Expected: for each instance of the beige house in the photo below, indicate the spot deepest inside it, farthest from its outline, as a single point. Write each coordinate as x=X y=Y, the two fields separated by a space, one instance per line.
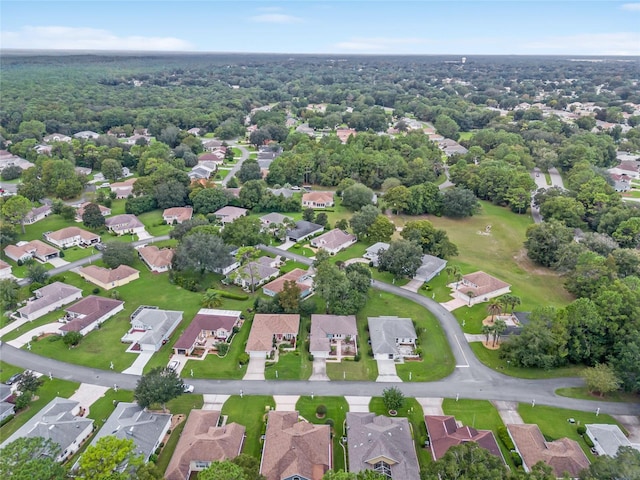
x=5 y=270
x=333 y=241
x=229 y=214
x=269 y=330
x=317 y=200
x=109 y=278
x=202 y=442
x=125 y=224
x=295 y=449
x=177 y=215
x=123 y=189
x=157 y=259
x=479 y=287
x=49 y=298
x=34 y=249
x=333 y=336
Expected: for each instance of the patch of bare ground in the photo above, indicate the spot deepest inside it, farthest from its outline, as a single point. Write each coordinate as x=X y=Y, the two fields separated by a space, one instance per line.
x=527 y=265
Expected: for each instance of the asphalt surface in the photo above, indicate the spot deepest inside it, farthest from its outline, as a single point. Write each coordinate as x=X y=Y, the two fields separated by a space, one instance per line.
x=236 y=167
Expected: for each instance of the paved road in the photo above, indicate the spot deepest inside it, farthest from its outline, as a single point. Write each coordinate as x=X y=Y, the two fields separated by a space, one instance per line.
x=556 y=179
x=236 y=167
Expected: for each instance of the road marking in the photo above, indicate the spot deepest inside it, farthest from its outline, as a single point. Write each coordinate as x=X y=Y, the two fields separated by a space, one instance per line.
x=463 y=355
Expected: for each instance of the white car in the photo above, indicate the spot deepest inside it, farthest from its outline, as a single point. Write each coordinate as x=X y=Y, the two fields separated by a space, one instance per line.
x=173 y=365
x=187 y=388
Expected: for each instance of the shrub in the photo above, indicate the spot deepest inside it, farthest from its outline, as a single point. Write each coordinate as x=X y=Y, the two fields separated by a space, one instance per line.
x=222 y=348
x=581 y=429
x=330 y=422
x=503 y=434
x=153 y=458
x=310 y=357
x=243 y=358
x=96 y=291
x=356 y=358
x=6 y=420
x=517 y=460
x=20 y=262
x=588 y=441
x=321 y=410
x=231 y=295
x=72 y=339
x=61 y=254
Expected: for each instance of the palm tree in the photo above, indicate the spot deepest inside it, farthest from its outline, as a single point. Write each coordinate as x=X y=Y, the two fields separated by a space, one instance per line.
x=515 y=300
x=498 y=328
x=211 y=299
x=505 y=300
x=449 y=272
x=494 y=309
x=486 y=331
x=470 y=295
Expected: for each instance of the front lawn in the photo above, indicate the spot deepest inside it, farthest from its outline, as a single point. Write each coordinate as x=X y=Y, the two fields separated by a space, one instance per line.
x=438 y=289
x=250 y=411
x=492 y=360
x=413 y=412
x=337 y=408
x=583 y=394
x=554 y=422
x=154 y=223
x=480 y=414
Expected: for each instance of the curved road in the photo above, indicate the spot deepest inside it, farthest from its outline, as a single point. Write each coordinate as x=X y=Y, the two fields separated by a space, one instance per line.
x=236 y=168
x=471 y=379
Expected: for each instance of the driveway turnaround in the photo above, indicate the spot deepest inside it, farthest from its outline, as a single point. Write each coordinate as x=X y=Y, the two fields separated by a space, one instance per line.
x=25 y=338
x=387 y=371
x=358 y=404
x=255 y=369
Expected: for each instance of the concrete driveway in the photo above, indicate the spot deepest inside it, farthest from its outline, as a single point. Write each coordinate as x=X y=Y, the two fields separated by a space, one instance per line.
x=255 y=369
x=25 y=338
x=358 y=404
x=387 y=371
x=319 y=370
x=214 y=402
x=58 y=262
x=87 y=394
x=286 y=403
x=431 y=406
x=138 y=365
x=508 y=412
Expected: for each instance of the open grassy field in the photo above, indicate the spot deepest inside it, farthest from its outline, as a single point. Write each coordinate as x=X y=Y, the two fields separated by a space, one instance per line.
x=480 y=414
x=250 y=411
x=491 y=359
x=337 y=409
x=554 y=422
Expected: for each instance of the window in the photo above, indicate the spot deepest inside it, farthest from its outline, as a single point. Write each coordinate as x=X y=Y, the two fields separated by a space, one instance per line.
x=383 y=467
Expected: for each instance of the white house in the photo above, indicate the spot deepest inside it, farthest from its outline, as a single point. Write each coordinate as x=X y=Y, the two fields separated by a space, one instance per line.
x=479 y=287
x=71 y=237
x=49 y=298
x=89 y=313
x=151 y=328
x=392 y=338
x=125 y=224
x=5 y=270
x=333 y=241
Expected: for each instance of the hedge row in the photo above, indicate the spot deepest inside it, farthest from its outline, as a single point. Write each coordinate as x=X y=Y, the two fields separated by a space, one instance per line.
x=232 y=296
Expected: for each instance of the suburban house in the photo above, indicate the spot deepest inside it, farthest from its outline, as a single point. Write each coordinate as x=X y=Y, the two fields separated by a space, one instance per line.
x=80 y=210
x=295 y=449
x=431 y=266
x=123 y=189
x=125 y=223
x=257 y=272
x=444 y=433
x=230 y=265
x=203 y=441
x=270 y=220
x=479 y=287
x=36 y=214
x=563 y=454
x=24 y=251
x=372 y=252
x=607 y=439
x=59 y=422
x=451 y=147
x=201 y=170
x=5 y=270
x=211 y=145
x=269 y=330
x=304 y=230
x=151 y=328
x=71 y=237
x=216 y=157
x=6 y=407
x=208 y=327
x=333 y=241
x=177 y=215
x=317 y=200
x=86 y=134
x=89 y=313
x=229 y=214
x=57 y=137
x=132 y=422
x=382 y=444
x=333 y=336
x=303 y=280
x=345 y=133
x=157 y=259
x=109 y=278
x=392 y=338
x=49 y=298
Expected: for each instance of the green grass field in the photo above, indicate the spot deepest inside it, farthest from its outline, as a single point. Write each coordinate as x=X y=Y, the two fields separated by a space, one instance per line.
x=250 y=411
x=154 y=223
x=583 y=394
x=480 y=414
x=337 y=409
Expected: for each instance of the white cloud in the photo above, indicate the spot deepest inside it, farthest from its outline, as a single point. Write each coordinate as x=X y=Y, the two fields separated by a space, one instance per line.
x=380 y=45
x=622 y=43
x=276 y=18
x=73 y=38
x=634 y=7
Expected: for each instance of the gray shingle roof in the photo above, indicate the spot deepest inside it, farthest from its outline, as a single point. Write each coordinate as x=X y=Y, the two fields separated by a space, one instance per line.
x=385 y=330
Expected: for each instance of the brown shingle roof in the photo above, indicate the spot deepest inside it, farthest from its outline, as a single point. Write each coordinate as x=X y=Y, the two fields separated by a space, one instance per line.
x=563 y=455
x=156 y=257
x=41 y=249
x=295 y=448
x=203 y=440
x=108 y=275
x=69 y=232
x=277 y=285
x=205 y=321
x=266 y=325
x=318 y=197
x=444 y=433
x=90 y=309
x=178 y=213
x=481 y=283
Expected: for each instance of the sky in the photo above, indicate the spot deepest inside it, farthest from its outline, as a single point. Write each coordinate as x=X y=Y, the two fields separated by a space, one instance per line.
x=413 y=27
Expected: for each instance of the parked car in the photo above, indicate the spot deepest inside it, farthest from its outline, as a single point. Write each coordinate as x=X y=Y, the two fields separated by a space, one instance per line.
x=187 y=388
x=15 y=378
x=173 y=365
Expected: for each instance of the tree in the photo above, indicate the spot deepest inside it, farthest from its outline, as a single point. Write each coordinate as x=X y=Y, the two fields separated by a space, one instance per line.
x=487 y=330
x=392 y=398
x=158 y=386
x=459 y=203
x=182 y=229
x=357 y=196
x=363 y=219
x=30 y=458
x=211 y=299
x=29 y=383
x=544 y=241
x=466 y=461
x=398 y=198
x=433 y=241
x=9 y=294
x=105 y=459
x=624 y=466
x=111 y=169
x=494 y=308
x=171 y=193
x=447 y=127
x=498 y=329
x=118 y=253
x=11 y=172
x=209 y=200
x=402 y=258
x=344 y=292
x=244 y=231
x=8 y=235
x=625 y=361
x=253 y=193
x=32 y=186
x=381 y=230
x=309 y=214
x=37 y=273
x=289 y=297
x=627 y=234
x=92 y=216
x=250 y=170
x=15 y=210
x=250 y=466
x=202 y=253
x=601 y=378
x=72 y=339
x=222 y=470
x=247 y=257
